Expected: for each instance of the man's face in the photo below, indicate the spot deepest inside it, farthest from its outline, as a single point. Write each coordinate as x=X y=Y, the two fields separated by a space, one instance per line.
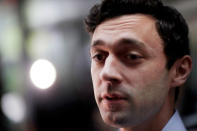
x=130 y=79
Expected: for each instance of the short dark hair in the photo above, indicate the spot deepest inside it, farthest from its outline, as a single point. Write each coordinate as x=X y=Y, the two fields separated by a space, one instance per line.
x=170 y=24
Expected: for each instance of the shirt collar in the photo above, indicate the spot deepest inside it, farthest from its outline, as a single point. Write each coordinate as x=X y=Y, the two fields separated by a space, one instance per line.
x=175 y=123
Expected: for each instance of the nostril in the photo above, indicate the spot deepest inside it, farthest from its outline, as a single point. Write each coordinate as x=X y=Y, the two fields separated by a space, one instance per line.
x=108 y=98
x=114 y=80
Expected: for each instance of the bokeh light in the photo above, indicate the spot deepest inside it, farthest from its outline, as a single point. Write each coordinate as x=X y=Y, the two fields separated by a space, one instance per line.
x=43 y=74
x=13 y=106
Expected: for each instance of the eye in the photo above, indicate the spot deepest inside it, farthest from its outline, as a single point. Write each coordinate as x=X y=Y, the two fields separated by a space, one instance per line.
x=133 y=57
x=99 y=57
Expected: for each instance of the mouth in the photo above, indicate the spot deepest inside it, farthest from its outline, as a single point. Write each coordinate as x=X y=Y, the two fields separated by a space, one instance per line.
x=113 y=102
x=113 y=97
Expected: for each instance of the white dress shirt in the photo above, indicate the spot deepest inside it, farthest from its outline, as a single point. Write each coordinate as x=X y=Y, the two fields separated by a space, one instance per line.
x=175 y=123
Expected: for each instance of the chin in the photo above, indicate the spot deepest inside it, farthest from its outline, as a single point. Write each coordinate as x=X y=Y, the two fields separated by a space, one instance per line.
x=115 y=119
x=122 y=119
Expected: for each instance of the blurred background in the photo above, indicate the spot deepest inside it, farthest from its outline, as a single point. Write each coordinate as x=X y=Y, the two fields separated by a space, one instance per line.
x=45 y=82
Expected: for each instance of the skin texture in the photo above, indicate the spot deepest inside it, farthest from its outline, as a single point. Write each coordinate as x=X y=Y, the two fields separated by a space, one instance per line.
x=133 y=88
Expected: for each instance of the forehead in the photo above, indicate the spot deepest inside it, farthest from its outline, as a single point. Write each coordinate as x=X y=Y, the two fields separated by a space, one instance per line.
x=127 y=21
x=136 y=26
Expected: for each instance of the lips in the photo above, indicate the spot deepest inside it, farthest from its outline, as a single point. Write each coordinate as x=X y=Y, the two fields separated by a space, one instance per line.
x=113 y=97
x=113 y=102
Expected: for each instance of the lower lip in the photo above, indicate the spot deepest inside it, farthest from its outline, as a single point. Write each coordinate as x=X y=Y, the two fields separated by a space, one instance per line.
x=113 y=105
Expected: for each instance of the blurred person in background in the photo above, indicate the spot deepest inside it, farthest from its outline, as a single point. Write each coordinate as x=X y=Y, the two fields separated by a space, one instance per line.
x=140 y=59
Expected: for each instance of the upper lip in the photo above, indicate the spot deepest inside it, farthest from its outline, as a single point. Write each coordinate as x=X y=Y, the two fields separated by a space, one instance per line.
x=113 y=96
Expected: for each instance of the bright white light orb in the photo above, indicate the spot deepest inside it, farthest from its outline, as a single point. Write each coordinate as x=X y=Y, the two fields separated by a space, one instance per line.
x=43 y=73
x=13 y=106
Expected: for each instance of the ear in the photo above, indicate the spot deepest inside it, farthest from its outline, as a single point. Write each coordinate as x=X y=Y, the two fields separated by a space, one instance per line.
x=180 y=71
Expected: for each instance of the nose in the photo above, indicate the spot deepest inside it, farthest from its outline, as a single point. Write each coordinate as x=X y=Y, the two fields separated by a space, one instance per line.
x=111 y=71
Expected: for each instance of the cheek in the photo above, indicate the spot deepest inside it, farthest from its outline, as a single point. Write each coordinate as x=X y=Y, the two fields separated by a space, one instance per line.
x=153 y=73
x=148 y=84
x=153 y=89
x=95 y=80
x=95 y=75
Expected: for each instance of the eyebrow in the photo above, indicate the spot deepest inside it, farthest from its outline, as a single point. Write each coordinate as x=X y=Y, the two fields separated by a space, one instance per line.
x=97 y=43
x=123 y=41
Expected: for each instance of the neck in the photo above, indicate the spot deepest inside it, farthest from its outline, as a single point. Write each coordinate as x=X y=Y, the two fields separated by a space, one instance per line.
x=159 y=120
